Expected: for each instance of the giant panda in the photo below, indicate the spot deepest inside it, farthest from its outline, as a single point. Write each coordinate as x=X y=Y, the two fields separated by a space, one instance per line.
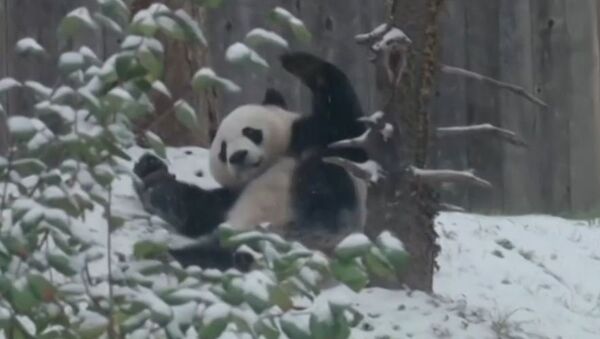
x=269 y=163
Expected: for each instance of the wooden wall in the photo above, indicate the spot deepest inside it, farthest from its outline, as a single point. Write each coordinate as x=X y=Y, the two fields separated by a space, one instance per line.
x=550 y=47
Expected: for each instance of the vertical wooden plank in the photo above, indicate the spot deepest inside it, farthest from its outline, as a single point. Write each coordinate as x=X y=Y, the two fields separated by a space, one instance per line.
x=333 y=28
x=3 y=33
x=449 y=105
x=521 y=194
x=583 y=103
x=39 y=20
x=482 y=106
x=550 y=145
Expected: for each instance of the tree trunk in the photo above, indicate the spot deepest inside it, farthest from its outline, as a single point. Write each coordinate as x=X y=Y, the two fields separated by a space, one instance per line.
x=182 y=60
x=402 y=203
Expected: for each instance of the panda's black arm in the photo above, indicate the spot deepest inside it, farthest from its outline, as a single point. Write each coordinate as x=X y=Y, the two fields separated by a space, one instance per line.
x=336 y=107
x=191 y=210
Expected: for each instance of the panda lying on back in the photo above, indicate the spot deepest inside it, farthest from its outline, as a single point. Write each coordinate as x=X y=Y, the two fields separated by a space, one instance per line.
x=269 y=162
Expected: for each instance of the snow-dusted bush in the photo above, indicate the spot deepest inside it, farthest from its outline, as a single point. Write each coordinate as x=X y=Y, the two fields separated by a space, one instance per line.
x=60 y=168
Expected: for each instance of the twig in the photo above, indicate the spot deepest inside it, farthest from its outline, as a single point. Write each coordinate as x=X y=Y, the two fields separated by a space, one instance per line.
x=501 y=133
x=489 y=80
x=434 y=176
x=111 y=325
x=450 y=207
x=7 y=176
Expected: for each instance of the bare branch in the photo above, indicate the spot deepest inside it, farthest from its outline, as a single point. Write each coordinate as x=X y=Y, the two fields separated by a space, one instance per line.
x=450 y=207
x=376 y=34
x=369 y=171
x=483 y=78
x=438 y=176
x=507 y=135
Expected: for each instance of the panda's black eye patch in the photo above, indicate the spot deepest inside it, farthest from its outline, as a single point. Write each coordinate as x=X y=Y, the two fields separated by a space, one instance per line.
x=223 y=152
x=255 y=135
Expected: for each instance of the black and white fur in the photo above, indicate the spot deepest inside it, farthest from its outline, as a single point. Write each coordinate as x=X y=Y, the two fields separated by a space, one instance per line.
x=268 y=161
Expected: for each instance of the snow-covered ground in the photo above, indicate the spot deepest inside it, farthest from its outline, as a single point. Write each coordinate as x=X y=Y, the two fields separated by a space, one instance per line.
x=500 y=277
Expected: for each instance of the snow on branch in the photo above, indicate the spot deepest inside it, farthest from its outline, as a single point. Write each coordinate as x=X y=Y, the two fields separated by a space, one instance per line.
x=374 y=35
x=369 y=171
x=489 y=80
x=450 y=207
x=392 y=44
x=437 y=176
x=502 y=133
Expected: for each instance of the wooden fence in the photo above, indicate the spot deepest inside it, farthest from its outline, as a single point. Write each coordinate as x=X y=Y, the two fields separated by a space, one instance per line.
x=550 y=47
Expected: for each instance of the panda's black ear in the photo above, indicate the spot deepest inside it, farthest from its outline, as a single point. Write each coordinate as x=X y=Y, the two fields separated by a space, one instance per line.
x=275 y=98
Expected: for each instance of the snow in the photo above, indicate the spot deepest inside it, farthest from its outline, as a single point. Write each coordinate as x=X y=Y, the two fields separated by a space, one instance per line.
x=29 y=45
x=8 y=83
x=216 y=312
x=259 y=36
x=20 y=125
x=240 y=53
x=206 y=76
x=546 y=285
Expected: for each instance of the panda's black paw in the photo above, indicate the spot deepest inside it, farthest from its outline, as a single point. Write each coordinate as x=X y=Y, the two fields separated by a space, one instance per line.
x=149 y=164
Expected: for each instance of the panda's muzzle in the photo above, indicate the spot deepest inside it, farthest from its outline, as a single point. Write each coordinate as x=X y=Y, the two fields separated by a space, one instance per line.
x=239 y=159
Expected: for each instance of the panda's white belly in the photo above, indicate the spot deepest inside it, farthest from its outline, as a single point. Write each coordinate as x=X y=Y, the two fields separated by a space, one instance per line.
x=266 y=199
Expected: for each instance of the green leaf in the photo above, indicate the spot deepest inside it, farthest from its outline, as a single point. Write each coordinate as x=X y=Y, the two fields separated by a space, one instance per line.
x=300 y=31
x=214 y=320
x=171 y=28
x=23 y=299
x=266 y=328
x=393 y=249
x=377 y=263
x=206 y=78
x=115 y=9
x=143 y=23
x=128 y=67
x=21 y=128
x=8 y=84
x=281 y=298
x=104 y=174
x=150 y=61
x=160 y=87
x=292 y=328
x=42 y=289
x=350 y=273
x=26 y=167
x=186 y=115
x=62 y=264
x=281 y=15
x=156 y=143
x=40 y=91
x=189 y=25
x=108 y=23
x=354 y=245
x=70 y=61
x=31 y=219
x=259 y=36
x=136 y=321
x=29 y=46
x=147 y=249
x=75 y=21
x=238 y=53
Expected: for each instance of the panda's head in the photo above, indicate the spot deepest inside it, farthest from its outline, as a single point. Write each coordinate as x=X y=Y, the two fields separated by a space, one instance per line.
x=249 y=140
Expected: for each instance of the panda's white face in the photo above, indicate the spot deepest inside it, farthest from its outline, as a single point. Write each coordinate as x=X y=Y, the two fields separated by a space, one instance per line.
x=249 y=140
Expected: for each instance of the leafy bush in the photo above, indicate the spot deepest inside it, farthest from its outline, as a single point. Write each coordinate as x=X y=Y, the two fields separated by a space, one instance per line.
x=61 y=166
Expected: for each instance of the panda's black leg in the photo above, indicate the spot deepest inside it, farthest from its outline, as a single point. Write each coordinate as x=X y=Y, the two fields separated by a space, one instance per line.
x=212 y=256
x=191 y=210
x=324 y=197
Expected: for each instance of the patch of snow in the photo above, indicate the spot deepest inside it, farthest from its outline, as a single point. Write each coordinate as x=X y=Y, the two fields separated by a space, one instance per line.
x=546 y=286
x=240 y=53
x=259 y=36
